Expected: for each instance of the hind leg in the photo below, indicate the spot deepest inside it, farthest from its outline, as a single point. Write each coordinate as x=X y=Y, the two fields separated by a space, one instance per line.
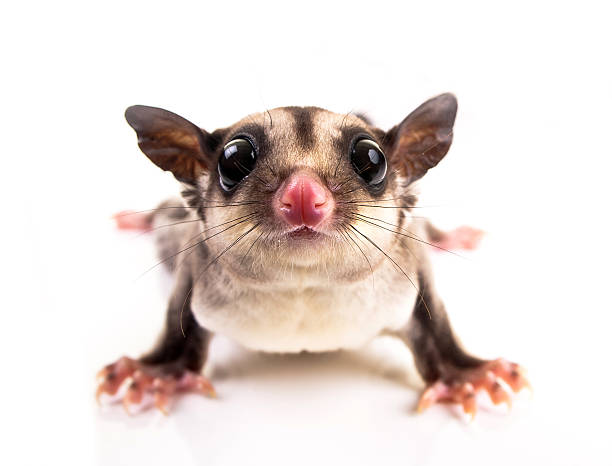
x=171 y=210
x=131 y=220
x=463 y=237
x=170 y=223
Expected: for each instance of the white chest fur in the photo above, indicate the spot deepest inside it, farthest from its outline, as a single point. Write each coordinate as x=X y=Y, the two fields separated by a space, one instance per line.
x=322 y=318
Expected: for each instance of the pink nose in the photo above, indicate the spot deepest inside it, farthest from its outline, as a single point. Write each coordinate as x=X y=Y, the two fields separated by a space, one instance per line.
x=304 y=201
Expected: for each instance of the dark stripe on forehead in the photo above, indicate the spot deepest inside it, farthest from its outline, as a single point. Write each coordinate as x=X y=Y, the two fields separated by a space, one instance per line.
x=303 y=118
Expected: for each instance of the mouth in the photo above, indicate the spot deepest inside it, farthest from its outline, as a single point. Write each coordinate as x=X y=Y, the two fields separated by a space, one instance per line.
x=305 y=233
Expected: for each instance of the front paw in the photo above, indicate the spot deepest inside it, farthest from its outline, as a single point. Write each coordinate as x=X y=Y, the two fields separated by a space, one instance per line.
x=460 y=386
x=144 y=383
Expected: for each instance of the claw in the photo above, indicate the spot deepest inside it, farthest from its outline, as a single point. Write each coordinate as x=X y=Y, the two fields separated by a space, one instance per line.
x=497 y=393
x=462 y=388
x=162 y=391
x=102 y=373
x=143 y=380
x=133 y=396
x=431 y=395
x=99 y=392
x=161 y=402
x=202 y=385
x=428 y=398
x=468 y=400
x=512 y=374
x=517 y=381
x=110 y=385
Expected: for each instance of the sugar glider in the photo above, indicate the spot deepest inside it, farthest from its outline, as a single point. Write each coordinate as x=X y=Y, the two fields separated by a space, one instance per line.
x=296 y=232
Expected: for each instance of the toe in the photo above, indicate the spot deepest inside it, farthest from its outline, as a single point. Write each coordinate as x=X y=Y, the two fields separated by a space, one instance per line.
x=512 y=374
x=497 y=392
x=133 y=396
x=162 y=393
x=431 y=395
x=110 y=385
x=468 y=399
x=197 y=383
x=112 y=376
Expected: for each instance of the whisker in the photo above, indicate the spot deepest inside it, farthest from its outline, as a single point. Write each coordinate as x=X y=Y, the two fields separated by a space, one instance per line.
x=342 y=183
x=183 y=259
x=270 y=116
x=231 y=202
x=251 y=247
x=341 y=154
x=344 y=193
x=364 y=168
x=372 y=200
x=164 y=226
x=391 y=206
x=236 y=241
x=346 y=116
x=190 y=247
x=363 y=254
x=230 y=205
x=397 y=265
x=247 y=173
x=187 y=207
x=267 y=162
x=152 y=210
x=411 y=216
x=411 y=235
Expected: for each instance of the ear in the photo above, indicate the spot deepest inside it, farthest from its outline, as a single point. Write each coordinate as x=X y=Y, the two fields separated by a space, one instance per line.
x=170 y=141
x=420 y=141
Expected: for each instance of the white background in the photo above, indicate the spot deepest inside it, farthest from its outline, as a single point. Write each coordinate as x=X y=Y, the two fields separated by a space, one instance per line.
x=530 y=164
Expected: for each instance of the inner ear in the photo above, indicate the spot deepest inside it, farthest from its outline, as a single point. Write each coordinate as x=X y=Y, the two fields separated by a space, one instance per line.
x=420 y=141
x=170 y=141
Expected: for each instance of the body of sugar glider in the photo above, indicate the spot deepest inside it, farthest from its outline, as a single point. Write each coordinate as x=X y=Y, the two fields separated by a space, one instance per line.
x=366 y=274
x=288 y=308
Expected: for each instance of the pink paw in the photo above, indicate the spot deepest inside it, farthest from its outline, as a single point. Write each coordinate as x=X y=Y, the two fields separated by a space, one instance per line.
x=464 y=237
x=145 y=383
x=130 y=220
x=464 y=385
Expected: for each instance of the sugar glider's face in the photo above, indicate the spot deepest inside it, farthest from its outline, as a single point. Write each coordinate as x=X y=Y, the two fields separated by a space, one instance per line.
x=301 y=178
x=300 y=189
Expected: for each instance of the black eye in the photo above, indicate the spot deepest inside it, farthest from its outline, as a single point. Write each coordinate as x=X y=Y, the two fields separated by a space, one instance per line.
x=369 y=161
x=236 y=162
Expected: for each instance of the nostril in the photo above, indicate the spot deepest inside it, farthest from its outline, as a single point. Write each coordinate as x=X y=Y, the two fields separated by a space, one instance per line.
x=304 y=201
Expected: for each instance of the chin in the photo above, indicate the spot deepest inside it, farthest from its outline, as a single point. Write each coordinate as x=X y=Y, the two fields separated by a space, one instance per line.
x=304 y=247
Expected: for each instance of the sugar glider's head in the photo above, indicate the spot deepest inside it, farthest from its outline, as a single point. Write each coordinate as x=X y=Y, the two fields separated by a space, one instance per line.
x=300 y=189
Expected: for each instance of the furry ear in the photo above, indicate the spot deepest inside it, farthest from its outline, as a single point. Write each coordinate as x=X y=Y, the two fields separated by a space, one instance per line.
x=170 y=141
x=420 y=141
